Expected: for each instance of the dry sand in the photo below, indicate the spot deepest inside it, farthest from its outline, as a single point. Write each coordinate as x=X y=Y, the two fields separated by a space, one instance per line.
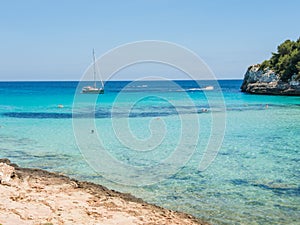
x=33 y=196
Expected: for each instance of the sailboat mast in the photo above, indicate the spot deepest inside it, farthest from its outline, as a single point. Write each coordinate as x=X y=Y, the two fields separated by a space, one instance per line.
x=94 y=62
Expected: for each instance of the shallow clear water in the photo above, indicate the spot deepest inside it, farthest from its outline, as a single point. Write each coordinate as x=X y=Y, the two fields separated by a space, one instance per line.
x=253 y=180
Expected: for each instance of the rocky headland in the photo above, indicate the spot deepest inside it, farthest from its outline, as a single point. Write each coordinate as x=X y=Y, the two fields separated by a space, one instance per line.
x=258 y=81
x=280 y=75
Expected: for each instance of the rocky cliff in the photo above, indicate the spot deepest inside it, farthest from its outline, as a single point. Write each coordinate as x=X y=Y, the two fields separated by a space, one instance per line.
x=266 y=81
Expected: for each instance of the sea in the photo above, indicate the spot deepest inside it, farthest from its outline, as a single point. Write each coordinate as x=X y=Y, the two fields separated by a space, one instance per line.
x=224 y=156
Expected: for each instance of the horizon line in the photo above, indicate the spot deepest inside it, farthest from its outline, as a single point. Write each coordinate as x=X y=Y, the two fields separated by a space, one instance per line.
x=113 y=80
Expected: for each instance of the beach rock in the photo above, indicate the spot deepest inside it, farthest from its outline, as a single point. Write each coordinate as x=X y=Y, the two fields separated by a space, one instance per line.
x=6 y=173
x=8 y=162
x=41 y=197
x=257 y=81
x=5 y=160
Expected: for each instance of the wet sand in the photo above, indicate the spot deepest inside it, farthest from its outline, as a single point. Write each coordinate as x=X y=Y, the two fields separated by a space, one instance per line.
x=34 y=196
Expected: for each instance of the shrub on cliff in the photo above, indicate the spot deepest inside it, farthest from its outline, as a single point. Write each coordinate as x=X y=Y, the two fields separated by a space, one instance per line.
x=286 y=62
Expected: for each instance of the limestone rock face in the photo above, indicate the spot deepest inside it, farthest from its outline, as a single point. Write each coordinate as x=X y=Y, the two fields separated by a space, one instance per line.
x=258 y=81
x=6 y=173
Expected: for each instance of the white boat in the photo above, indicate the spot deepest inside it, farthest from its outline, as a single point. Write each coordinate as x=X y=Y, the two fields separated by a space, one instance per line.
x=94 y=89
x=208 y=88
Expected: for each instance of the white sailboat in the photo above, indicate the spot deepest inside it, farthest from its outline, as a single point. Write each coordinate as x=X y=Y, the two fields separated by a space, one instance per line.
x=94 y=89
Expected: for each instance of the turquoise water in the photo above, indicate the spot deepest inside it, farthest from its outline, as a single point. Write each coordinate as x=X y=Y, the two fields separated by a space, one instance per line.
x=253 y=180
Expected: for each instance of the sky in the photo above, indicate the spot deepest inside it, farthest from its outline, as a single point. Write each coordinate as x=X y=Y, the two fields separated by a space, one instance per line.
x=53 y=39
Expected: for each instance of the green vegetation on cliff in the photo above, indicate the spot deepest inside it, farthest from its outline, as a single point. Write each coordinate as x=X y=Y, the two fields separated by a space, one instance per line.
x=286 y=62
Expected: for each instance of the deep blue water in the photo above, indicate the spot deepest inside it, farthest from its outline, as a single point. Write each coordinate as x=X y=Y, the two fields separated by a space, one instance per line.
x=254 y=178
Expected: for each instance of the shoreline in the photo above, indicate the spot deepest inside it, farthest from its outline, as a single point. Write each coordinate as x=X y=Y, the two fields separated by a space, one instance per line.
x=35 y=196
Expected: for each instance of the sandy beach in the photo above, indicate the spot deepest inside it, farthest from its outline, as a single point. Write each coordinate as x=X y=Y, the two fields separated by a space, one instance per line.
x=34 y=196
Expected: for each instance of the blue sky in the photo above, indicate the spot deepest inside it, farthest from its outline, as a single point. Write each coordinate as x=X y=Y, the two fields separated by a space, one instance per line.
x=52 y=40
